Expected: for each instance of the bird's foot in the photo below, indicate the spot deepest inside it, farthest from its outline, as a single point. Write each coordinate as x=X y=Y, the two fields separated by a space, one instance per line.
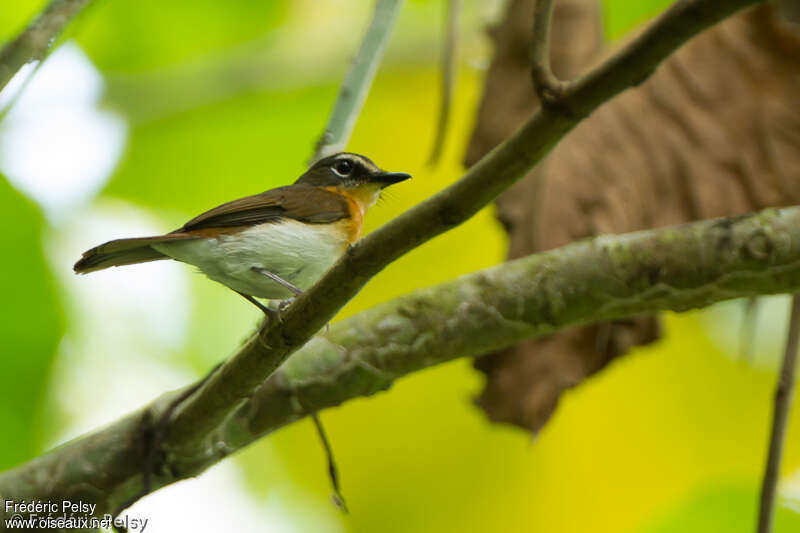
x=284 y=304
x=273 y=316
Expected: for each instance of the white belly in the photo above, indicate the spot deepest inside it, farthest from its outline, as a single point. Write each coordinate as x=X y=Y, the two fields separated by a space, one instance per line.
x=299 y=253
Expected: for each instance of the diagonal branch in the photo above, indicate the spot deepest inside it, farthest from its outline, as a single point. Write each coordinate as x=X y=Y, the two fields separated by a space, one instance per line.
x=263 y=353
x=358 y=80
x=34 y=42
x=599 y=279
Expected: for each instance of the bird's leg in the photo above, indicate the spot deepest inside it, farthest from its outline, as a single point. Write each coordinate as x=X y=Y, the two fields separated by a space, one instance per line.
x=270 y=313
x=277 y=279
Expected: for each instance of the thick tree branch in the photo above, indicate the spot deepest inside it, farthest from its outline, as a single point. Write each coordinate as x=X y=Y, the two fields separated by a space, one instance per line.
x=603 y=278
x=358 y=80
x=32 y=44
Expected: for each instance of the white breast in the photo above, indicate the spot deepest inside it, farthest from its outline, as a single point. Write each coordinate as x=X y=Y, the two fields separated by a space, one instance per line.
x=297 y=252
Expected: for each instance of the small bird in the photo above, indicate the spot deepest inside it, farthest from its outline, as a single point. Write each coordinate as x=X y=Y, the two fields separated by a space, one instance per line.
x=272 y=245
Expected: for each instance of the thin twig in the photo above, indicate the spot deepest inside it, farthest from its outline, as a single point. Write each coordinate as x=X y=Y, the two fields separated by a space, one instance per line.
x=780 y=415
x=449 y=71
x=33 y=43
x=358 y=80
x=338 y=497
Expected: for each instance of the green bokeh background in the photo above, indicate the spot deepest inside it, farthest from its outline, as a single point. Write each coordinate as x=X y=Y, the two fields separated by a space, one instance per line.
x=669 y=439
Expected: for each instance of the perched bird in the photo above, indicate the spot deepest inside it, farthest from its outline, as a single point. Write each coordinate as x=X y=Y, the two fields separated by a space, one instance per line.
x=273 y=245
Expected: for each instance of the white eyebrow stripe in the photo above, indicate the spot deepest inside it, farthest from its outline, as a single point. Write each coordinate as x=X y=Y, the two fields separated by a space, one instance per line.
x=356 y=159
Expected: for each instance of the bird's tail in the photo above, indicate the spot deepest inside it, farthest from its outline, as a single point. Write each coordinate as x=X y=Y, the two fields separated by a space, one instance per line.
x=120 y=252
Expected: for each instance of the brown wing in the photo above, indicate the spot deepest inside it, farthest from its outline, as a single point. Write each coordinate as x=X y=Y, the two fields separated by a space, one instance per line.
x=299 y=202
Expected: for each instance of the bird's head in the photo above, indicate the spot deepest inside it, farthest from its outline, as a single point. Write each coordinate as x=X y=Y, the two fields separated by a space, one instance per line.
x=351 y=174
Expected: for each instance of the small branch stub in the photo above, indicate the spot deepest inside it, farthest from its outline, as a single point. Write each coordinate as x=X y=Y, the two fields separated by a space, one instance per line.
x=549 y=88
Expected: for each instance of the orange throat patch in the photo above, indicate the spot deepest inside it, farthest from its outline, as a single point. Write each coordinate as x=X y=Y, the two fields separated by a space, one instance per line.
x=358 y=202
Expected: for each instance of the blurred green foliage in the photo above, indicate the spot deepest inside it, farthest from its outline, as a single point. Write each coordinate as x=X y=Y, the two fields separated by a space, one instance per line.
x=31 y=326
x=620 y=16
x=234 y=148
x=16 y=15
x=136 y=35
x=721 y=509
x=671 y=438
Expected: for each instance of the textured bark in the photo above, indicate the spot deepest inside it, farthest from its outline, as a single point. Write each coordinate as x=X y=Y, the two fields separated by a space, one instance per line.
x=715 y=131
x=599 y=279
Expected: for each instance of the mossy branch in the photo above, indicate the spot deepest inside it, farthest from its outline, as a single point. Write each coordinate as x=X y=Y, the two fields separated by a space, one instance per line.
x=604 y=278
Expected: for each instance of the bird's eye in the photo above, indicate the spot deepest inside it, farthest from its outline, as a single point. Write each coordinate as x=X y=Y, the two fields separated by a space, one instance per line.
x=343 y=167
